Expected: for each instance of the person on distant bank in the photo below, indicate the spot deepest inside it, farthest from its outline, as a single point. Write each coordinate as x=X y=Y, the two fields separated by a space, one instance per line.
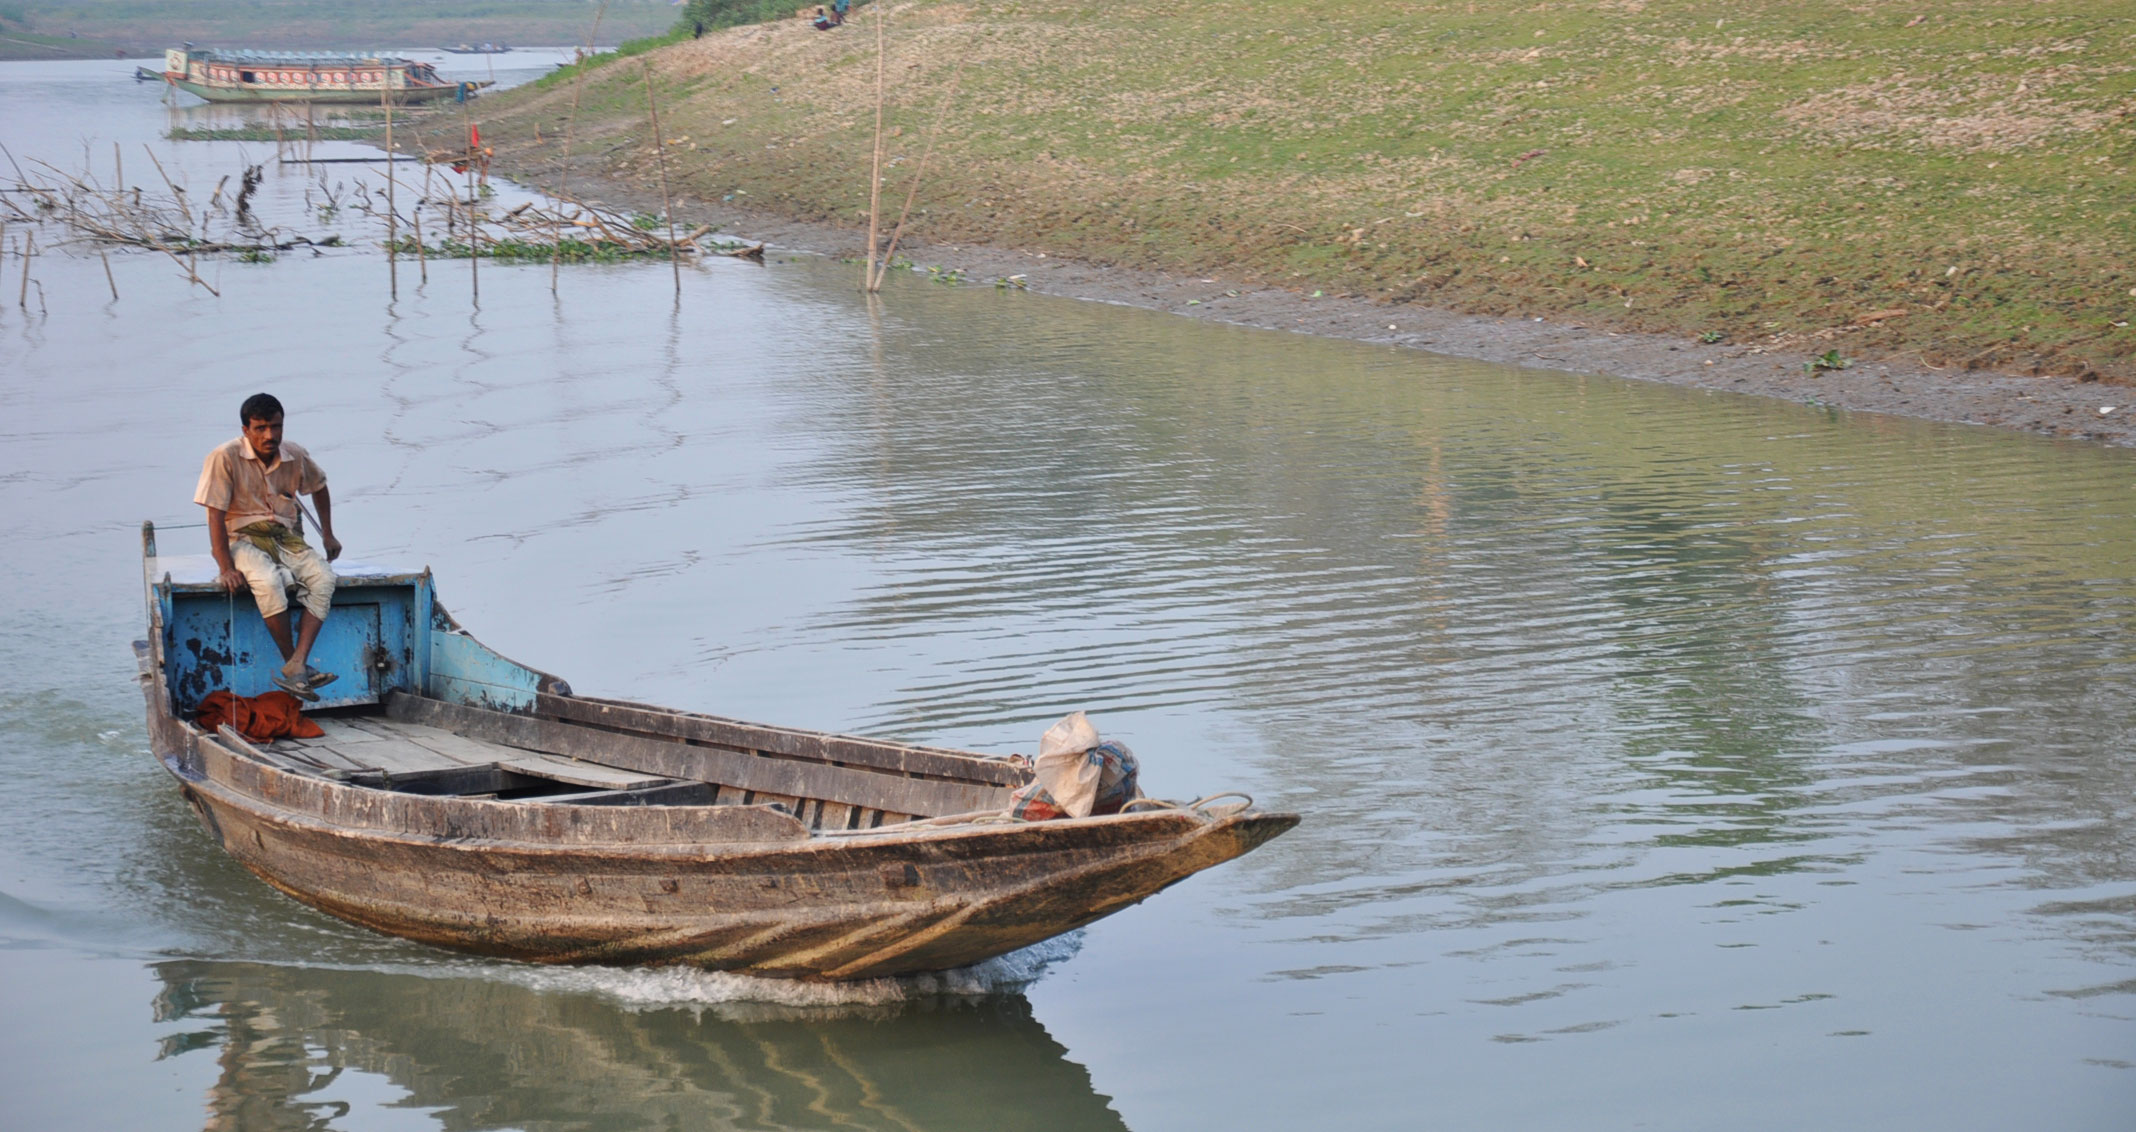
x=250 y=487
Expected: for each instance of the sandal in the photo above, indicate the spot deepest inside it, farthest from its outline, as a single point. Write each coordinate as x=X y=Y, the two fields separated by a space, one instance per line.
x=313 y=678
x=295 y=687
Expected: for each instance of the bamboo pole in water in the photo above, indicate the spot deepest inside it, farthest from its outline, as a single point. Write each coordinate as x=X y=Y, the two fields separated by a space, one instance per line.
x=101 y=254
x=563 y=186
x=912 y=191
x=868 y=278
x=667 y=203
x=29 y=245
x=392 y=211
x=474 y=231
x=422 y=260
x=118 y=190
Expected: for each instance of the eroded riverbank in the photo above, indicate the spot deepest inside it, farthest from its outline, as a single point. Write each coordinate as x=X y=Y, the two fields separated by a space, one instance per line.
x=2053 y=406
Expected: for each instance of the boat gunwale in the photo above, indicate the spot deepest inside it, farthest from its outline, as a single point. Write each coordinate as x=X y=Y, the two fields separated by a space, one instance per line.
x=230 y=793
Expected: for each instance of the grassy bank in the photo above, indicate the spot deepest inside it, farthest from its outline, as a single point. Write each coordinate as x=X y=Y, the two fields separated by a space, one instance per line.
x=40 y=28
x=1950 y=181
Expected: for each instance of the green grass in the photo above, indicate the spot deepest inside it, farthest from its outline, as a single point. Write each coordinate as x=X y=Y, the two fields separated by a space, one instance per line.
x=1774 y=175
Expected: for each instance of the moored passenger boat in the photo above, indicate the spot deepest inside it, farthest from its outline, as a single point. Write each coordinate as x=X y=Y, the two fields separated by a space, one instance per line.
x=305 y=76
x=462 y=799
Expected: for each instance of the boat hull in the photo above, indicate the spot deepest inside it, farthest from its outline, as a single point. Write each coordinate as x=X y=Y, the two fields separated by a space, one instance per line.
x=524 y=821
x=400 y=96
x=894 y=904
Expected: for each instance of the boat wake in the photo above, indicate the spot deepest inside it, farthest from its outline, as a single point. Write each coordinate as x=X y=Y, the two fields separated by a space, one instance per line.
x=750 y=998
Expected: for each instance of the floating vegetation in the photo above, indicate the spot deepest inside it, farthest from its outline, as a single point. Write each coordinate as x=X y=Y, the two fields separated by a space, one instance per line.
x=513 y=250
x=271 y=134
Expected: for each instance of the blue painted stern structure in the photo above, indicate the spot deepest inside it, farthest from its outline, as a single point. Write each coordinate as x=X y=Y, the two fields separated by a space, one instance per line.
x=386 y=632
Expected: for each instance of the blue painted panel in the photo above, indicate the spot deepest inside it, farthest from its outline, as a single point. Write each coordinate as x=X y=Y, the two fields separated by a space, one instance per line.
x=215 y=641
x=464 y=670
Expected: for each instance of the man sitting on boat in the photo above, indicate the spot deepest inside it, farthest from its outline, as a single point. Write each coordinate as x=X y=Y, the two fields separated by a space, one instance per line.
x=250 y=487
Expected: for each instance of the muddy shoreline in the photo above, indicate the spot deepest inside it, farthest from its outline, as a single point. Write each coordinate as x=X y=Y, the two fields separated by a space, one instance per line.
x=2053 y=406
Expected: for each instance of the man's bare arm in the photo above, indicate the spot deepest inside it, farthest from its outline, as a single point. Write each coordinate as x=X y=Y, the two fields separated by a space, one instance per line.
x=219 y=545
x=324 y=504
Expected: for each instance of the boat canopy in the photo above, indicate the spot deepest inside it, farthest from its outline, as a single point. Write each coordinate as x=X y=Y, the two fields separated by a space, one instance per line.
x=291 y=58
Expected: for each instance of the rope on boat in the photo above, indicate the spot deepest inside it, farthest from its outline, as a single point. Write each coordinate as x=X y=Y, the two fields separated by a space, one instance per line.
x=1199 y=805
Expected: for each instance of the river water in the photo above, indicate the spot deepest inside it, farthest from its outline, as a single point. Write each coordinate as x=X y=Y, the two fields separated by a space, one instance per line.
x=1667 y=759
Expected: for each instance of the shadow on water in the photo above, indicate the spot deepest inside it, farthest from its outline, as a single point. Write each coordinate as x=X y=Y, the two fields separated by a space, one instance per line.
x=483 y=1053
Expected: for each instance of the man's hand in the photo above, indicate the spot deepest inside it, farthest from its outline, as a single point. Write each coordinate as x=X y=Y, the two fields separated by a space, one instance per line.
x=333 y=545
x=230 y=579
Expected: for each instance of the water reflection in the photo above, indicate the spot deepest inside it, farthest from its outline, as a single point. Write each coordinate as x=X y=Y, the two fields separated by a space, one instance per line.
x=485 y=1052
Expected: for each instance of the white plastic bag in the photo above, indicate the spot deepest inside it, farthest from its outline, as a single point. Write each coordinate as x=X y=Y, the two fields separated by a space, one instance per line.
x=1062 y=768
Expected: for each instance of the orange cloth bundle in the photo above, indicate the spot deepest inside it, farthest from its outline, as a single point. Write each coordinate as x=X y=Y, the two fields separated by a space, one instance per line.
x=262 y=718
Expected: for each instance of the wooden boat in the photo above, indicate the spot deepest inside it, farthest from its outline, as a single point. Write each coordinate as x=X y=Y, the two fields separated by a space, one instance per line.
x=306 y=76
x=477 y=49
x=465 y=800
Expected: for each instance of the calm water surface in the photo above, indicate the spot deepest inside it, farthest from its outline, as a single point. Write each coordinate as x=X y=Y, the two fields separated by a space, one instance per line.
x=1668 y=759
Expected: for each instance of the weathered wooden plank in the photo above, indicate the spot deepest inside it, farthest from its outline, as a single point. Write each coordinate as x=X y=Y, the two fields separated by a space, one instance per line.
x=577 y=773
x=457 y=780
x=458 y=748
x=396 y=758
x=342 y=732
x=777 y=778
x=285 y=759
x=668 y=793
x=327 y=753
x=932 y=762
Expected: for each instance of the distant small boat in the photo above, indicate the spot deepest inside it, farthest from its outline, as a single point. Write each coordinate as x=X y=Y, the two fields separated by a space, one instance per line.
x=306 y=76
x=461 y=799
x=477 y=49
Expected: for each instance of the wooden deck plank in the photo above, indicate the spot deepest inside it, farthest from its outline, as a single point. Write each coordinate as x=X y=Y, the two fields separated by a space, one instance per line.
x=789 y=778
x=458 y=748
x=391 y=757
x=580 y=773
x=933 y=762
x=342 y=732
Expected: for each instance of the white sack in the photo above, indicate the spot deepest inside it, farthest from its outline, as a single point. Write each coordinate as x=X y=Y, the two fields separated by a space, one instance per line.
x=1063 y=769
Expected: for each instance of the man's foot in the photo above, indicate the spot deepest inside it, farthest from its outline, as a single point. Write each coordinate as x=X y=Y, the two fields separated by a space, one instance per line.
x=295 y=686
x=313 y=678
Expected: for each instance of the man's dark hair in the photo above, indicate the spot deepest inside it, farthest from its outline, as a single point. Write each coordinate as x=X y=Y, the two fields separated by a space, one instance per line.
x=259 y=407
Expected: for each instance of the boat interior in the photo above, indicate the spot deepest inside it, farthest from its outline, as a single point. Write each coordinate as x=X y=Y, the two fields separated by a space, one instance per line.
x=418 y=706
x=416 y=745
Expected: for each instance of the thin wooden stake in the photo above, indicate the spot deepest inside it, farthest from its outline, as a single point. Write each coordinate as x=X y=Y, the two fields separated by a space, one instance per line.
x=29 y=245
x=392 y=209
x=667 y=203
x=563 y=186
x=474 y=231
x=175 y=194
x=868 y=280
x=118 y=191
x=107 y=274
x=913 y=191
x=422 y=260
